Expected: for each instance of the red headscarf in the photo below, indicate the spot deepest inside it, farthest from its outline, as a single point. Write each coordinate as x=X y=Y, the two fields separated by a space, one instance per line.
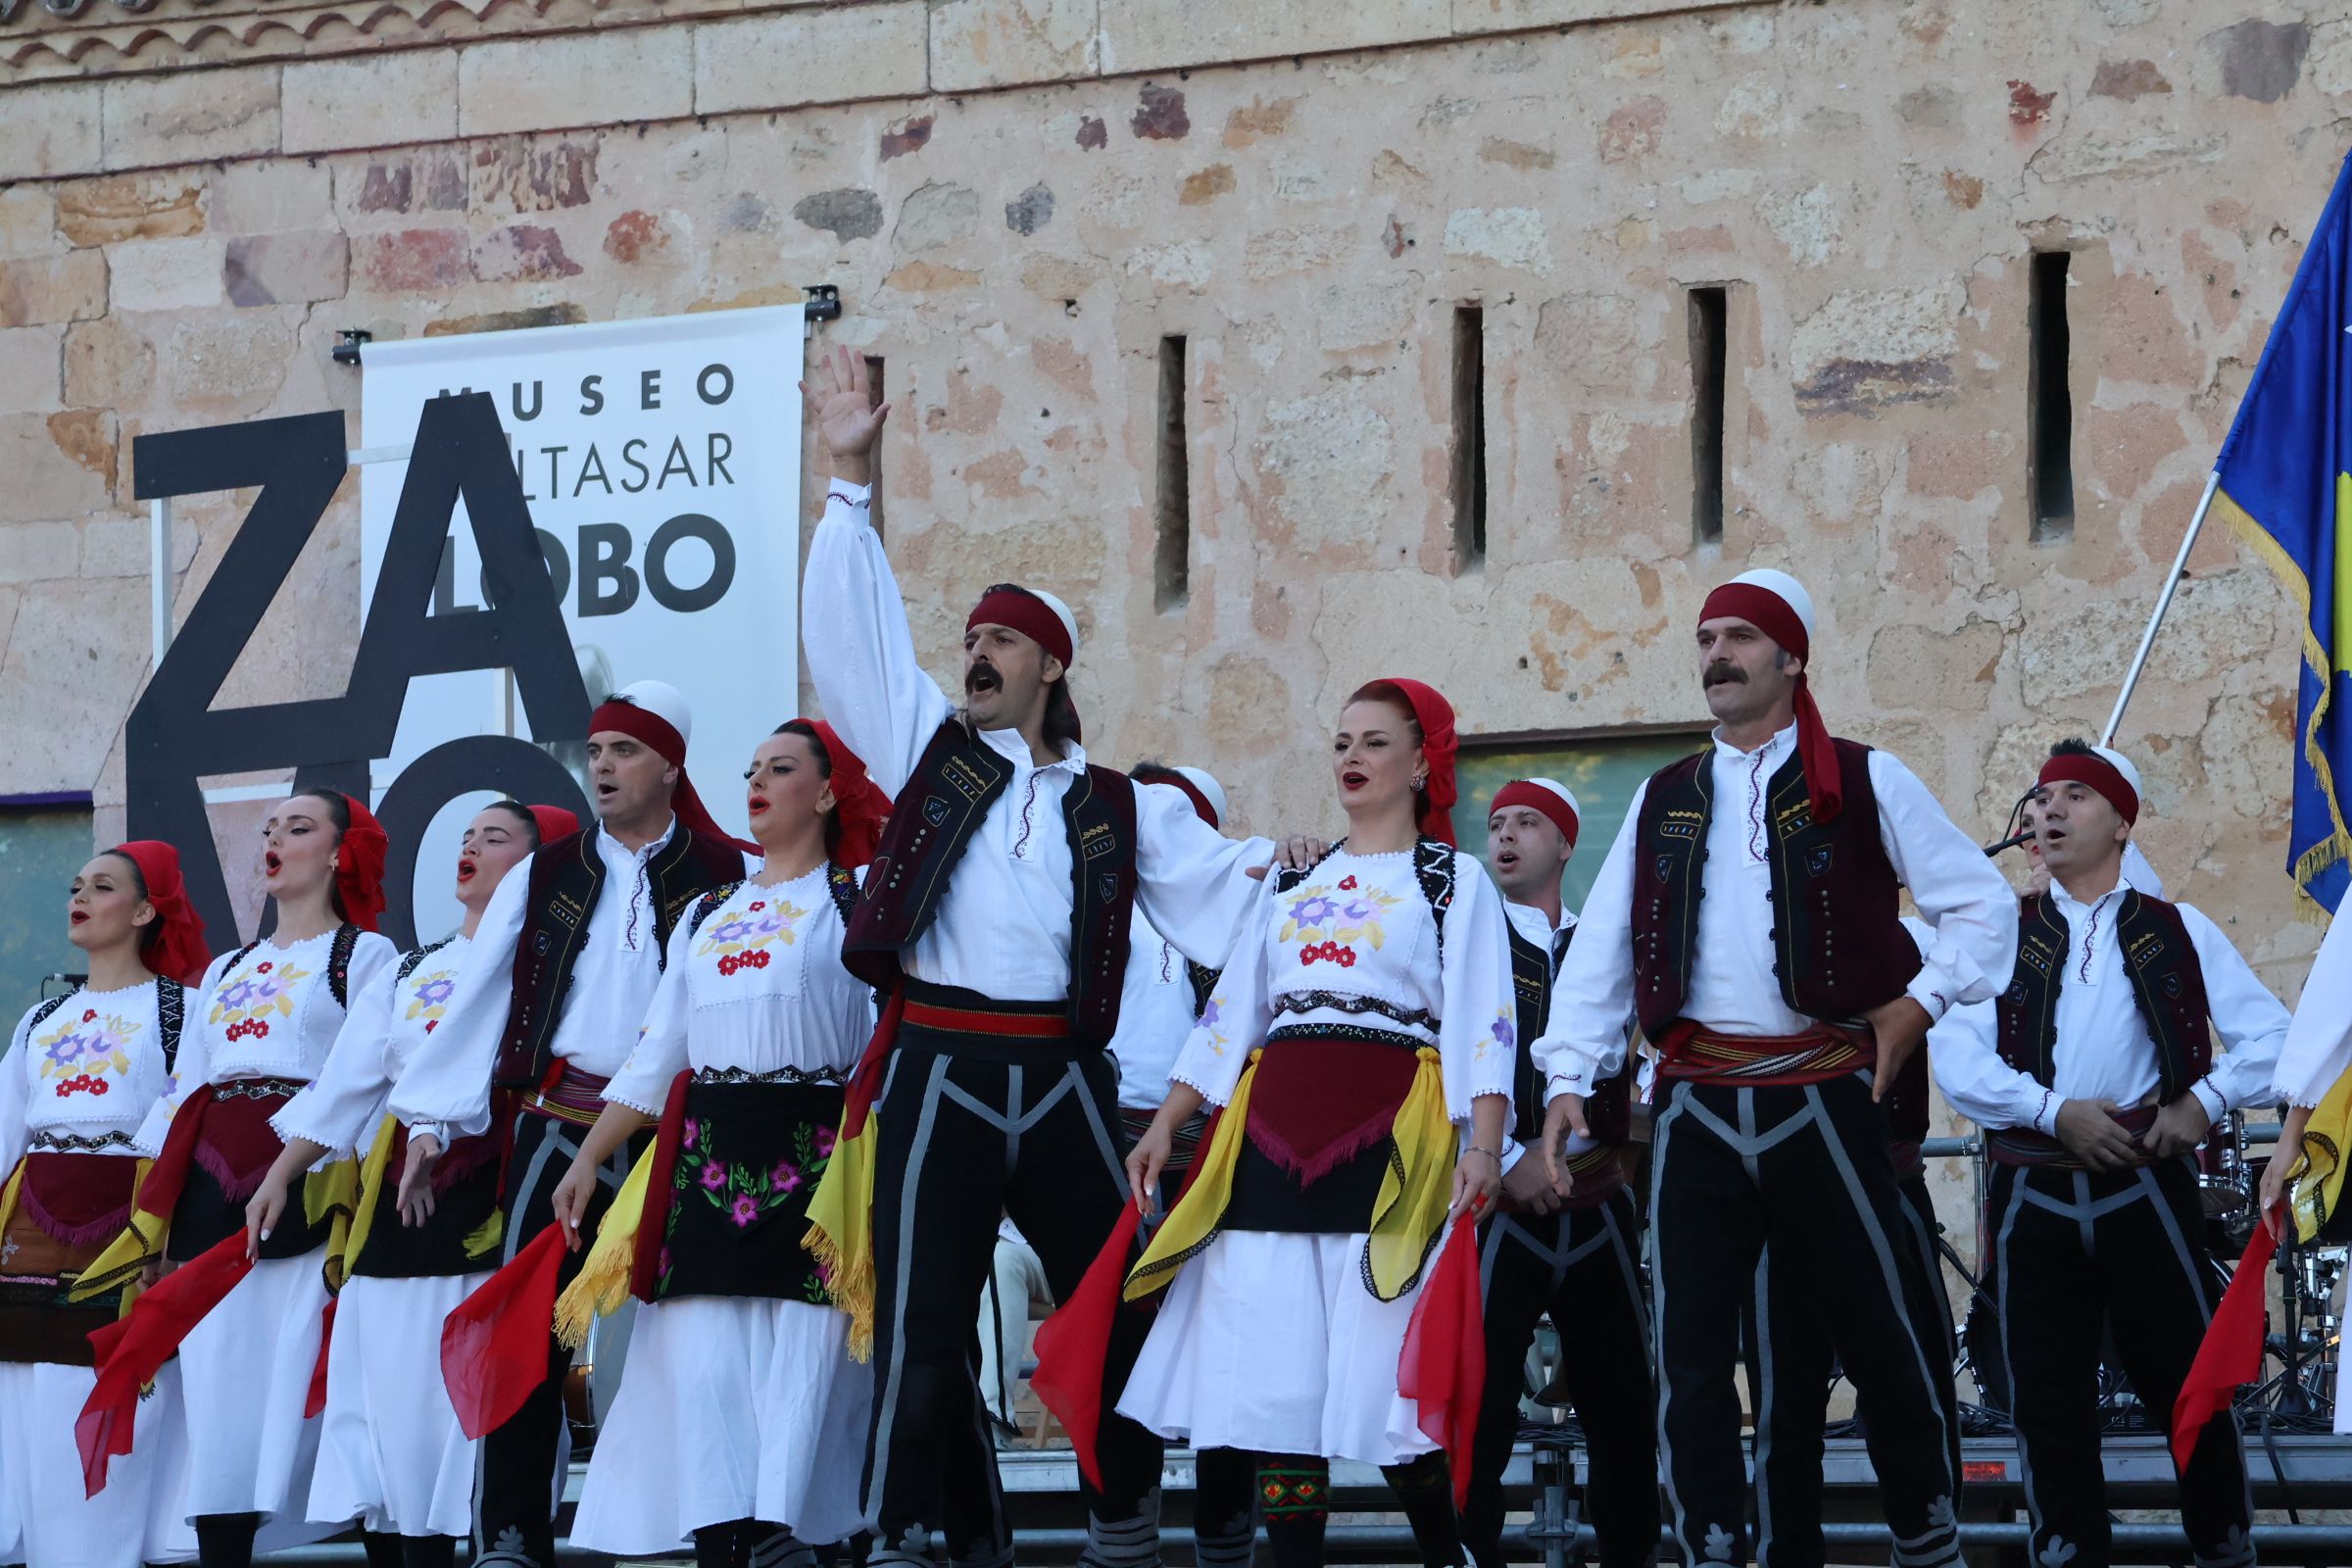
x=858 y=801
x=1779 y=620
x=643 y=725
x=1435 y=714
x=554 y=822
x=360 y=866
x=179 y=950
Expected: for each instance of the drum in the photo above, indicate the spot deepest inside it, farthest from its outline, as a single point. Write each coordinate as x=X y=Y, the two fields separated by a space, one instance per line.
x=2226 y=1184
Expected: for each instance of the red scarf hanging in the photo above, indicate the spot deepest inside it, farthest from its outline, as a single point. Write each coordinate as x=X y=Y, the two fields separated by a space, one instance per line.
x=494 y=1342
x=1443 y=1365
x=129 y=1353
x=2231 y=1351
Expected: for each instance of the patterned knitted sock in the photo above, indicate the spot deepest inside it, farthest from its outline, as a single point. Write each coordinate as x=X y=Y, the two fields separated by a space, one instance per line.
x=1293 y=1494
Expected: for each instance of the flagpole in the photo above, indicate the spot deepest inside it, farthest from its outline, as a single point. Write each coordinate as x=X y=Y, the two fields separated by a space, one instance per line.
x=2164 y=601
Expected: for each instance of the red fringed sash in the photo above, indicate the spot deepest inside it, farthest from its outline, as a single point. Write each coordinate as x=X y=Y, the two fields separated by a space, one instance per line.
x=131 y=1351
x=2231 y=1351
x=1318 y=1103
x=79 y=1199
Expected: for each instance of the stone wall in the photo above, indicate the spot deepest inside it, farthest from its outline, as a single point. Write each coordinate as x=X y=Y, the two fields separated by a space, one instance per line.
x=1029 y=194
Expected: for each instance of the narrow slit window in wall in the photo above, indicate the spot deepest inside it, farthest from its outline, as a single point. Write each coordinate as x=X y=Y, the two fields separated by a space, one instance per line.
x=1469 y=436
x=1710 y=310
x=1172 y=559
x=2049 y=404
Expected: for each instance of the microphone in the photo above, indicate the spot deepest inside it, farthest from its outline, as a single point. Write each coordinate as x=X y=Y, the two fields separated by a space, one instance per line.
x=2009 y=843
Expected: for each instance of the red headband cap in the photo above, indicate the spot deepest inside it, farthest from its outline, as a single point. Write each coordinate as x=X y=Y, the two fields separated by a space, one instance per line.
x=1026 y=614
x=2094 y=772
x=645 y=725
x=1778 y=619
x=1536 y=798
x=179 y=950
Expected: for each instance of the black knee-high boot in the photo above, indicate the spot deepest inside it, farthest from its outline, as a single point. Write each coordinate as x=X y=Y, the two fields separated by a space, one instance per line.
x=721 y=1546
x=382 y=1548
x=1296 y=1488
x=225 y=1539
x=1225 y=1509
x=1425 y=1489
x=429 y=1551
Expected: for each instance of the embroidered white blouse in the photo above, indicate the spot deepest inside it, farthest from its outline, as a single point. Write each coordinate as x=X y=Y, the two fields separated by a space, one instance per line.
x=264 y=1012
x=1004 y=924
x=83 y=1079
x=389 y=1020
x=758 y=987
x=1356 y=943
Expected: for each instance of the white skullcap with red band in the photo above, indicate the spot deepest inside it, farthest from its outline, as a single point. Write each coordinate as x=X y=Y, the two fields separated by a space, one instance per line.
x=1545 y=795
x=1778 y=605
x=1033 y=613
x=2108 y=772
x=1212 y=794
x=654 y=712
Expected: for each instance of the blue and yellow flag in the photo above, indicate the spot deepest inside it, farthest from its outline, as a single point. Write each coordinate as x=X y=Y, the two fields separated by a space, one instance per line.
x=2287 y=488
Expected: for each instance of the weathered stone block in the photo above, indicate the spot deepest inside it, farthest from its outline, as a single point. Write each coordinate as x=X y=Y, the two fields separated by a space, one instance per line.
x=30 y=552
x=31 y=368
x=272 y=195
x=550 y=83
x=1000 y=43
x=847 y=214
x=86 y=641
x=50 y=130
x=45 y=483
x=805 y=56
x=230 y=364
x=287 y=268
x=190 y=116
x=27 y=221
x=372 y=100
x=1511 y=236
x=121 y=207
x=1917 y=668
x=53 y=288
x=413 y=261
x=1163 y=35
x=108 y=364
x=935 y=216
x=523 y=253
x=165 y=274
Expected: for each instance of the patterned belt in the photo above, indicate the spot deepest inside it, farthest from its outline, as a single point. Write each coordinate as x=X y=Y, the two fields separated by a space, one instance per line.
x=1362 y=1034
x=998 y=1020
x=833 y=1077
x=569 y=1096
x=259 y=1088
x=49 y=1143
x=2024 y=1146
x=1691 y=1052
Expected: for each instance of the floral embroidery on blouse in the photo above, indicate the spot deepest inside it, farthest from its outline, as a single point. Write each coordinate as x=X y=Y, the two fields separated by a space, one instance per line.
x=428 y=996
x=742 y=940
x=1211 y=1017
x=245 y=1001
x=1326 y=920
x=82 y=1049
x=1505 y=1036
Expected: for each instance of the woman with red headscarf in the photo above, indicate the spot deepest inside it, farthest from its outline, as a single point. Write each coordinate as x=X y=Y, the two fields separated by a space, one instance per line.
x=83 y=1070
x=1360 y=1045
x=390 y=1448
x=261 y=1029
x=740 y=1425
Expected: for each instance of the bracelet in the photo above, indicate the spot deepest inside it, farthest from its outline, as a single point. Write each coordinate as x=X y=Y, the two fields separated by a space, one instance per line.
x=1488 y=1152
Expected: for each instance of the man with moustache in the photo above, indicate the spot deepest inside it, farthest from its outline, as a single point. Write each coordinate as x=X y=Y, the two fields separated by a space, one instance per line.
x=1747 y=918
x=546 y=1010
x=2095 y=1075
x=997 y=917
x=1575 y=1257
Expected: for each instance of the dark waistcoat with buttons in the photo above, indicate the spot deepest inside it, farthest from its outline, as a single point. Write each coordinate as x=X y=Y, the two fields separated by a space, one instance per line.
x=1838 y=945
x=566 y=877
x=2160 y=964
x=937 y=814
x=1609 y=1108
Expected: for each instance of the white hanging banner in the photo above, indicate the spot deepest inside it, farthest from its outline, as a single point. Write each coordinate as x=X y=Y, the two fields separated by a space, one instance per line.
x=661 y=463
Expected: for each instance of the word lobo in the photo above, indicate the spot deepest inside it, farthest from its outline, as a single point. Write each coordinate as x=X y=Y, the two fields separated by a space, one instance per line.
x=692 y=546
x=175 y=737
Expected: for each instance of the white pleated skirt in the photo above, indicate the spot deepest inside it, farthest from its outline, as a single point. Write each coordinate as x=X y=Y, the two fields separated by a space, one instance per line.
x=732 y=1407
x=245 y=1376
x=1269 y=1341
x=390 y=1451
x=44 y=1518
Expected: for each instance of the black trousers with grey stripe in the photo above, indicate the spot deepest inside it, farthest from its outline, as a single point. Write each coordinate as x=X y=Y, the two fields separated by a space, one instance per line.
x=2080 y=1253
x=1804 y=1169
x=515 y=1497
x=1581 y=1265
x=971 y=1130
x=1789 y=1376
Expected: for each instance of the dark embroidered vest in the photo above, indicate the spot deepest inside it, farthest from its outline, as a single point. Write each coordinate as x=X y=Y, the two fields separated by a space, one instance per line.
x=1838 y=945
x=2160 y=964
x=1609 y=1109
x=566 y=877
x=938 y=811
